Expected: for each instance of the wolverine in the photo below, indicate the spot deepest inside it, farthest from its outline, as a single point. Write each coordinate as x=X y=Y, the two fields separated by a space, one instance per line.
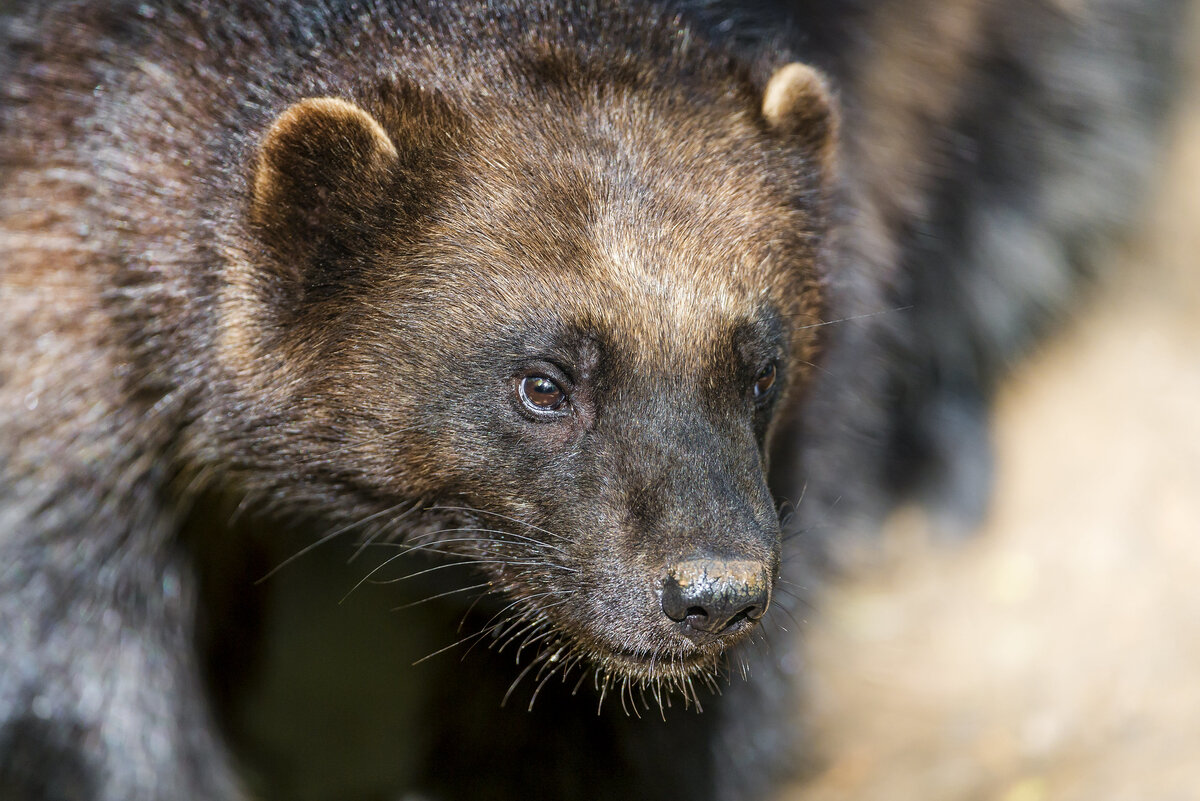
x=519 y=286
x=541 y=312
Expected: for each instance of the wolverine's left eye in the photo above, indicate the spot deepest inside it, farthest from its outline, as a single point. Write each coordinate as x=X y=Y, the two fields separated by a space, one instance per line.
x=764 y=381
x=541 y=394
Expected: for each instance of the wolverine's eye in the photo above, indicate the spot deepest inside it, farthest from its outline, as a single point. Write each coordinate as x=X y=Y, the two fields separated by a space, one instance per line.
x=764 y=381
x=541 y=394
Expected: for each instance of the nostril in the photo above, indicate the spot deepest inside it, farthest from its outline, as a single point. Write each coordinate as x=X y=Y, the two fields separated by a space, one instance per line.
x=674 y=603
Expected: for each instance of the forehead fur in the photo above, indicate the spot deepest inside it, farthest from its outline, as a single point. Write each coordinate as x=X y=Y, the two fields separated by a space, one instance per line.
x=661 y=224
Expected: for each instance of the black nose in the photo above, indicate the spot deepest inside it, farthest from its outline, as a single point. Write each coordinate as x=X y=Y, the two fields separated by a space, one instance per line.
x=712 y=596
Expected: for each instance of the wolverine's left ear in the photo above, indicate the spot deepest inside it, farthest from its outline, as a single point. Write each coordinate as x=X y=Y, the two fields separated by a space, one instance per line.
x=797 y=103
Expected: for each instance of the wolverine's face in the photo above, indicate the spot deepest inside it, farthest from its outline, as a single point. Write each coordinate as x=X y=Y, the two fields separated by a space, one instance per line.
x=605 y=347
x=564 y=335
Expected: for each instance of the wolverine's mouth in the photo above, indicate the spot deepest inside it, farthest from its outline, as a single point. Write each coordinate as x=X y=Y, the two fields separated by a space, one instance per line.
x=668 y=668
x=671 y=659
x=659 y=664
x=647 y=679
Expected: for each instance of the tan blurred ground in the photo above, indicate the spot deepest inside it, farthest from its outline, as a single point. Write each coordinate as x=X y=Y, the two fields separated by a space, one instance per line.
x=1057 y=656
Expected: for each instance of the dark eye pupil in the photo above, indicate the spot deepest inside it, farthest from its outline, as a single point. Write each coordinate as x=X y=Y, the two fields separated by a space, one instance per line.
x=765 y=380
x=541 y=393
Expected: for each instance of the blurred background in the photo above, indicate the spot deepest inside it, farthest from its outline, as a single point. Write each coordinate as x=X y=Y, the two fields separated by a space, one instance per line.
x=1055 y=656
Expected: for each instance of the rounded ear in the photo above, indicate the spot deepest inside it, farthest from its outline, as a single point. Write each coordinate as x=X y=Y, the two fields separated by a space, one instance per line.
x=323 y=165
x=798 y=103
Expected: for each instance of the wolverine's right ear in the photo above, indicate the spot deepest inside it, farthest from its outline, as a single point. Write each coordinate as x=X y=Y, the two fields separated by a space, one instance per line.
x=322 y=168
x=798 y=103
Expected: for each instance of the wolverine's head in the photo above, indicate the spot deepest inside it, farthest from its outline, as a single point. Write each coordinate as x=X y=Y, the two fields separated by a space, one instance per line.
x=562 y=318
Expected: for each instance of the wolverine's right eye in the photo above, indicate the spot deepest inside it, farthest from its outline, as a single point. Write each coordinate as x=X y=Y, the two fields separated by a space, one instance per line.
x=541 y=394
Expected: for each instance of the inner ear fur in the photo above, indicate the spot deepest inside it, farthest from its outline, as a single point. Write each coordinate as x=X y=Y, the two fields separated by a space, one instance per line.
x=323 y=167
x=798 y=103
